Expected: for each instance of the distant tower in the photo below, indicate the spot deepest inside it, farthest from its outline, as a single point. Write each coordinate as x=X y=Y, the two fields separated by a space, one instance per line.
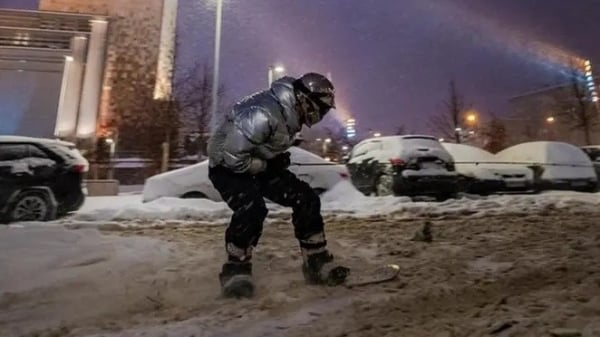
x=350 y=128
x=590 y=82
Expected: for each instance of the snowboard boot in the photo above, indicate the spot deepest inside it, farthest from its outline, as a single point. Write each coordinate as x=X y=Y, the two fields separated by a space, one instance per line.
x=236 y=280
x=319 y=268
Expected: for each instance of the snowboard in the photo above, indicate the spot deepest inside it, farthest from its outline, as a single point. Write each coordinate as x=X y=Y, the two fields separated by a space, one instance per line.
x=372 y=276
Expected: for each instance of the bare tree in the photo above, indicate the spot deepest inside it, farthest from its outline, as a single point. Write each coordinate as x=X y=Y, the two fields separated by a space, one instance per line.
x=447 y=123
x=194 y=91
x=334 y=149
x=400 y=130
x=576 y=109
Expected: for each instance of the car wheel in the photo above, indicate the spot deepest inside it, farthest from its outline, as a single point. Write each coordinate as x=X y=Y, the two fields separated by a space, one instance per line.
x=31 y=206
x=194 y=195
x=384 y=184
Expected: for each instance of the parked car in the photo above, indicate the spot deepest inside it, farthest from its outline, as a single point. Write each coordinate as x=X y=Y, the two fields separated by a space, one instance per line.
x=593 y=151
x=403 y=165
x=193 y=182
x=482 y=173
x=40 y=179
x=556 y=165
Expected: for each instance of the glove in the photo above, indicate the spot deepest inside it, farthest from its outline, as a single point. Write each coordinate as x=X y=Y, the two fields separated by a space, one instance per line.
x=280 y=162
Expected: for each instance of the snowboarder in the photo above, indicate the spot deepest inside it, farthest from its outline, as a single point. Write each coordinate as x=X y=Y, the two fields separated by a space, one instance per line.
x=249 y=161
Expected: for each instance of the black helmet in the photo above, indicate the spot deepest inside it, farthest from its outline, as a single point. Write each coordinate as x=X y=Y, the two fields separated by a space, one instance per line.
x=316 y=95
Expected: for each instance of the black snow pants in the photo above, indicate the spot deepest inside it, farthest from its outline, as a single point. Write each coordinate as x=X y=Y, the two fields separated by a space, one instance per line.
x=244 y=194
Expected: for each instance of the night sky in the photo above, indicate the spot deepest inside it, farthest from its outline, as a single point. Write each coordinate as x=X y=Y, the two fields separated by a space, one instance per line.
x=391 y=60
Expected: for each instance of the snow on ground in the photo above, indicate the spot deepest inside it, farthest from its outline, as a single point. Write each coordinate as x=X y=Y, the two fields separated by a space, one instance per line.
x=343 y=199
x=88 y=273
x=513 y=275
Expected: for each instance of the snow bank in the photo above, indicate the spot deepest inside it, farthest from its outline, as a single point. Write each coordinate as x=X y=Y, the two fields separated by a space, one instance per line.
x=341 y=199
x=44 y=256
x=344 y=198
x=130 y=207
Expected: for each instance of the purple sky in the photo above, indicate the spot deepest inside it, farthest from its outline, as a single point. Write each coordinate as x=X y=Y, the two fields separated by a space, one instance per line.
x=391 y=60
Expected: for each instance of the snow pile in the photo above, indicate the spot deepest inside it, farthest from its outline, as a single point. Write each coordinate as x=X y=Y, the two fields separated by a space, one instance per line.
x=26 y=165
x=346 y=199
x=50 y=274
x=61 y=254
x=342 y=199
x=130 y=207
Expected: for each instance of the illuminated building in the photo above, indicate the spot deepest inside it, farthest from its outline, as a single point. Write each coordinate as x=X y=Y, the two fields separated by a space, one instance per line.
x=589 y=80
x=85 y=64
x=138 y=60
x=350 y=128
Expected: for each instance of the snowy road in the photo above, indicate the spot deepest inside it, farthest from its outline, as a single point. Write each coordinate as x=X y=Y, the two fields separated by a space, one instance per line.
x=508 y=275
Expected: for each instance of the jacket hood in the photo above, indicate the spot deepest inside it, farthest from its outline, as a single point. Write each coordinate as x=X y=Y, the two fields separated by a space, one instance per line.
x=283 y=90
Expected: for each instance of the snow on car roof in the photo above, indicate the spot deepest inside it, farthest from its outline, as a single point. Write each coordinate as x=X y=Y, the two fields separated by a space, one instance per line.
x=468 y=153
x=546 y=152
x=560 y=160
x=21 y=139
x=404 y=137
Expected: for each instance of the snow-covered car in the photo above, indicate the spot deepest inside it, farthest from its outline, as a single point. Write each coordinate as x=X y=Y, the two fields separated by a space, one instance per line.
x=482 y=173
x=40 y=179
x=193 y=182
x=556 y=165
x=403 y=165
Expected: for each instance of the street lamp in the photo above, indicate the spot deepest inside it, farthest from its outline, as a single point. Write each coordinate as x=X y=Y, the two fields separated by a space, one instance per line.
x=217 y=61
x=271 y=73
x=471 y=118
x=550 y=120
x=377 y=134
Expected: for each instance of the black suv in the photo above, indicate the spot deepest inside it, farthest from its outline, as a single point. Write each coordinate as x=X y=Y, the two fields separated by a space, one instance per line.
x=40 y=179
x=409 y=165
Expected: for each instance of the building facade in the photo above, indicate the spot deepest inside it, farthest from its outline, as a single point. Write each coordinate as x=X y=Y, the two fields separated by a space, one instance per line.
x=48 y=72
x=137 y=62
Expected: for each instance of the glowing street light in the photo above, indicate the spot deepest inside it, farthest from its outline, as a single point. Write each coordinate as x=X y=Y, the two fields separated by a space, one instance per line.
x=550 y=120
x=328 y=140
x=278 y=69
x=471 y=118
x=377 y=134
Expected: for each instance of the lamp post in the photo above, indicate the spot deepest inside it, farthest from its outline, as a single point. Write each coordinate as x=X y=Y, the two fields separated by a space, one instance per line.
x=271 y=73
x=217 y=61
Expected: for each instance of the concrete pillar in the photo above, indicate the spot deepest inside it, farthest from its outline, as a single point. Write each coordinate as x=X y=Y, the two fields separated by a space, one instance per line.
x=92 y=81
x=166 y=53
x=70 y=91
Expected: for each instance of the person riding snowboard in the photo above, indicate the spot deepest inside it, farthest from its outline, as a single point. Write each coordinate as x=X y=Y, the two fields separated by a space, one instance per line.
x=248 y=161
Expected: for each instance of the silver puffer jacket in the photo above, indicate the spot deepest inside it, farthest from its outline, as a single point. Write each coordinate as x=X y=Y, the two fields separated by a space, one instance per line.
x=258 y=128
